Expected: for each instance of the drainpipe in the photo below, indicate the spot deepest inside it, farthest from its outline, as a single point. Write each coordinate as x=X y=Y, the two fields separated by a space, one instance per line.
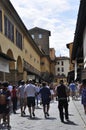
x=75 y=76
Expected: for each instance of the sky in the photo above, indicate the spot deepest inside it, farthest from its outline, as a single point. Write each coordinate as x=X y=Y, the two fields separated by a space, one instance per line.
x=57 y=16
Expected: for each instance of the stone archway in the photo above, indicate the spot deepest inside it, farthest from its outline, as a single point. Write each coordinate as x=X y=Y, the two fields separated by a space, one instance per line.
x=19 y=65
x=11 y=63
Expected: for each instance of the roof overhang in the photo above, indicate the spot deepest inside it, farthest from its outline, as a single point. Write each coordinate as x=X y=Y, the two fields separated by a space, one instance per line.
x=77 y=50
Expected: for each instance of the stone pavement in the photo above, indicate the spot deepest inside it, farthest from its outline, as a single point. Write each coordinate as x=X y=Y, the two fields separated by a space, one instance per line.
x=76 y=117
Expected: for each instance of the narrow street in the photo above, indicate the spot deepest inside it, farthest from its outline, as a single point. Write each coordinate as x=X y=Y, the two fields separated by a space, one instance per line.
x=76 y=117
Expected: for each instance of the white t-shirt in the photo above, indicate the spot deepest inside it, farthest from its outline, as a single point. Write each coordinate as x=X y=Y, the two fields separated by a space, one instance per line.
x=30 y=90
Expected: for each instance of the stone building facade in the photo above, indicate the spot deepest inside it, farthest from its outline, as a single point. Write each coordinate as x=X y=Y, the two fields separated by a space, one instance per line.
x=23 y=57
x=62 y=68
x=16 y=42
x=41 y=38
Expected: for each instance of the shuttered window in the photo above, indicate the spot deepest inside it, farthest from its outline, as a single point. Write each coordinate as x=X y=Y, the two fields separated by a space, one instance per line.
x=9 y=29
x=18 y=39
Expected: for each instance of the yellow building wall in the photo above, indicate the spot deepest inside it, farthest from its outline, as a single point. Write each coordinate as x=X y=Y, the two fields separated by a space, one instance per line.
x=6 y=44
x=52 y=53
x=26 y=52
x=70 y=52
x=30 y=55
x=46 y=66
x=52 y=68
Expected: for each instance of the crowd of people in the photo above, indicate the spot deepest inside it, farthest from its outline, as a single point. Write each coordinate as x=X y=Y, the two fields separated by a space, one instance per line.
x=30 y=94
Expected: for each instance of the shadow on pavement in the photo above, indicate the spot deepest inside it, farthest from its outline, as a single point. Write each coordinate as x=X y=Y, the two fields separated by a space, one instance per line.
x=38 y=108
x=37 y=118
x=34 y=118
x=50 y=118
x=70 y=123
x=71 y=115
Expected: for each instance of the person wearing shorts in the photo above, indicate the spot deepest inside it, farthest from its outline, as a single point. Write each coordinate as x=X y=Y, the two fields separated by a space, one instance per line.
x=30 y=92
x=46 y=98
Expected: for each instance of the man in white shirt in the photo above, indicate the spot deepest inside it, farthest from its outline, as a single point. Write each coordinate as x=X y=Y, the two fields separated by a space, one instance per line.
x=30 y=92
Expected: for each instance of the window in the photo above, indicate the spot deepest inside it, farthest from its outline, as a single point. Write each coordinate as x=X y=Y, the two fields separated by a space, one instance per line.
x=40 y=36
x=58 y=69
x=9 y=29
x=18 y=39
x=58 y=63
x=32 y=36
x=63 y=74
x=62 y=63
x=0 y=21
x=62 y=69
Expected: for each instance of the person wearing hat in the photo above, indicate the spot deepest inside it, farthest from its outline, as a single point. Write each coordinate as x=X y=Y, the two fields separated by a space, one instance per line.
x=62 y=93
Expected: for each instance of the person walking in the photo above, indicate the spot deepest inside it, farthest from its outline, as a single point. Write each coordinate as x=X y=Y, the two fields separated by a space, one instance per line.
x=83 y=94
x=46 y=98
x=14 y=98
x=72 y=87
x=22 y=97
x=5 y=97
x=37 y=97
x=63 y=97
x=30 y=92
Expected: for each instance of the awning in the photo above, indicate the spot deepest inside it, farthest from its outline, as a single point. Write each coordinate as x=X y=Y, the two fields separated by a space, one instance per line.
x=4 y=62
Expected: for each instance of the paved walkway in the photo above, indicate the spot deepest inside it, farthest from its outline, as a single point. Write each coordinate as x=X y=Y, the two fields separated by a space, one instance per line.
x=76 y=116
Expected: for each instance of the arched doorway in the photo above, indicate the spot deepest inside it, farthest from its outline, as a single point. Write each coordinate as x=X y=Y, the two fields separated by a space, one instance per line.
x=19 y=64
x=19 y=67
x=11 y=63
